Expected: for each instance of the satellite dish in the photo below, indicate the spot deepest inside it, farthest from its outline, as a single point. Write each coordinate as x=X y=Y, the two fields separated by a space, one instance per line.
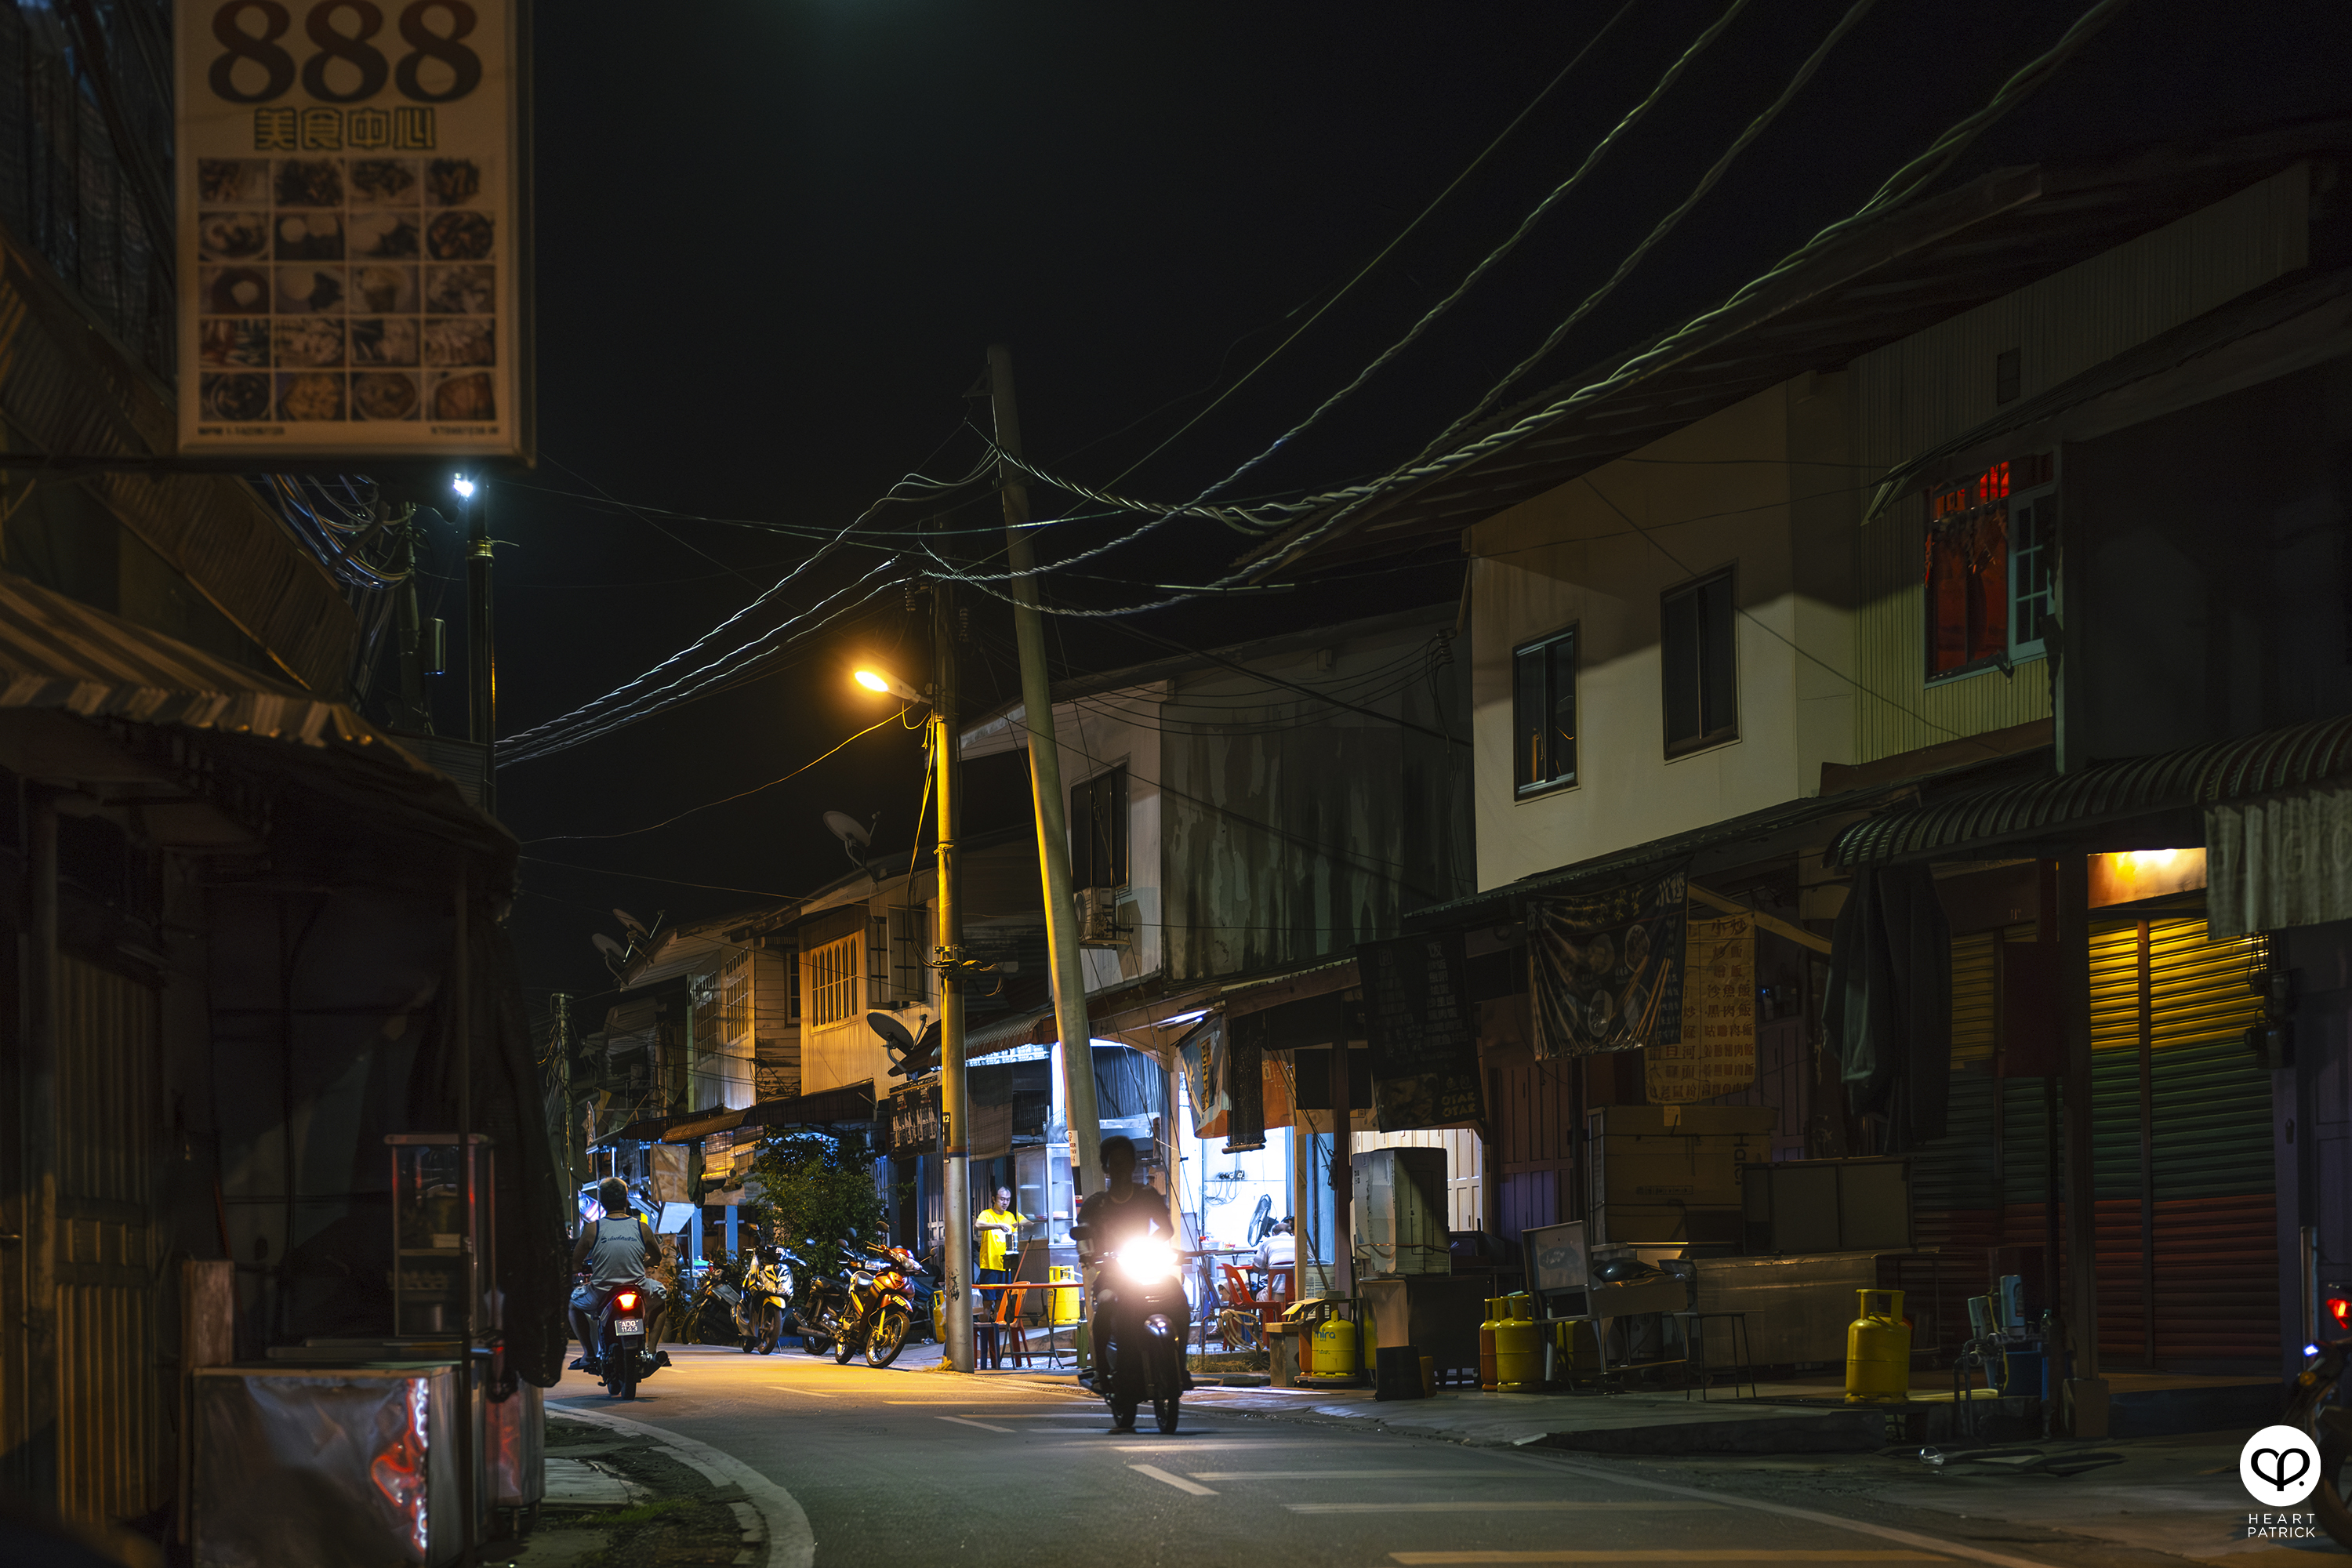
x=607 y=946
x=631 y=923
x=854 y=835
x=894 y=1033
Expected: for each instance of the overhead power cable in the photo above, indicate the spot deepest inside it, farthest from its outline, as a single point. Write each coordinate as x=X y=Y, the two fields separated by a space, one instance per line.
x=1402 y=235
x=1343 y=504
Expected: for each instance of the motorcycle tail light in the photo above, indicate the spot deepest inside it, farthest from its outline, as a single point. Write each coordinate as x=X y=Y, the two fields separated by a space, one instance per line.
x=2341 y=1310
x=628 y=1301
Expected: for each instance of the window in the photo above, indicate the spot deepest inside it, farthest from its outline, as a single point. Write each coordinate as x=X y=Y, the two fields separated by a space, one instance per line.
x=1098 y=831
x=1699 y=662
x=1543 y=713
x=2007 y=377
x=832 y=983
x=1990 y=567
x=910 y=976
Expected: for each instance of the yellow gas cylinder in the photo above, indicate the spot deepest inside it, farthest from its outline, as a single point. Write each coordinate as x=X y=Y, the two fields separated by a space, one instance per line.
x=1066 y=1302
x=1878 y=1351
x=1486 y=1343
x=940 y=1316
x=1518 y=1346
x=1335 y=1347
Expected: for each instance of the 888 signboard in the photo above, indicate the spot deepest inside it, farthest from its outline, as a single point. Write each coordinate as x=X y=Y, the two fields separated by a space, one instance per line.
x=350 y=252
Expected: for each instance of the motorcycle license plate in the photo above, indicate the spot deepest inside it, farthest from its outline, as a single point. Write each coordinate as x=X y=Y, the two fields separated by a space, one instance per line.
x=629 y=1326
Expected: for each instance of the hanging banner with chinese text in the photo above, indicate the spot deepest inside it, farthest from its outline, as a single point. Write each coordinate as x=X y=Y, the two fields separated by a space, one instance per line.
x=1423 y=1038
x=1607 y=968
x=1716 y=1054
x=350 y=249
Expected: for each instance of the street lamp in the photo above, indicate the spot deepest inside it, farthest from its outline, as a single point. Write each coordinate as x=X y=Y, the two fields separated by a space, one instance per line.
x=889 y=685
x=464 y=487
x=954 y=1123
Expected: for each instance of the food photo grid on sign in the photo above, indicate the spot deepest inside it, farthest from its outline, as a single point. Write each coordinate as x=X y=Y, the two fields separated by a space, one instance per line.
x=349 y=230
x=360 y=288
x=1717 y=1052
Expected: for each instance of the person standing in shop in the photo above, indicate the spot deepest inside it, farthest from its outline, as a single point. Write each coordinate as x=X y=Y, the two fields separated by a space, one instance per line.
x=994 y=1231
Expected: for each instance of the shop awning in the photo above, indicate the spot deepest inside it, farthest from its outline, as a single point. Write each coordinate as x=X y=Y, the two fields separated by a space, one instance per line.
x=850 y=1102
x=2106 y=794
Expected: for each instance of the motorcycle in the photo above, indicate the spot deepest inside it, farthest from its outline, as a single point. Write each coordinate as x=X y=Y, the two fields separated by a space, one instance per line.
x=1140 y=1308
x=621 y=1342
x=822 y=1297
x=759 y=1304
x=2318 y=1408
x=874 y=1313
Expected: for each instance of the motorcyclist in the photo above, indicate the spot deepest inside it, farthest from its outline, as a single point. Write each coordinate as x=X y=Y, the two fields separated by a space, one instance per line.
x=1121 y=1213
x=617 y=1252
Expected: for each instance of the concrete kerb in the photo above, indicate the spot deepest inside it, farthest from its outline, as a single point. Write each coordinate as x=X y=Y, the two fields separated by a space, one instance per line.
x=789 y=1542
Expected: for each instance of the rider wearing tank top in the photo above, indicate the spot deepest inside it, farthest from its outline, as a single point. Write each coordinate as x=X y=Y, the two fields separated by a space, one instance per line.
x=617 y=1250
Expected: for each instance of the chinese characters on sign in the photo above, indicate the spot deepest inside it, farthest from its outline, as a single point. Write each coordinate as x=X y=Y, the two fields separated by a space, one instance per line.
x=1424 y=1043
x=1608 y=968
x=348 y=244
x=1716 y=1054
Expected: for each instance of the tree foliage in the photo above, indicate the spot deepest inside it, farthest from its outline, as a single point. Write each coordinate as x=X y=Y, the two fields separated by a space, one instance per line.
x=816 y=1193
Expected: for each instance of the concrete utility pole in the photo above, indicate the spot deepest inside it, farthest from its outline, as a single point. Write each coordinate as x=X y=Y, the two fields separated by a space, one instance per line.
x=481 y=642
x=1045 y=789
x=954 y=1123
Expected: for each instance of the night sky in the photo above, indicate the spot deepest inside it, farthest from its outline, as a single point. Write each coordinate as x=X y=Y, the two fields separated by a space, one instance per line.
x=775 y=238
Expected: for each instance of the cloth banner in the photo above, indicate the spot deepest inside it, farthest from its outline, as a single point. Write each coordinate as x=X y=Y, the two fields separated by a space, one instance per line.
x=1608 y=968
x=1202 y=1053
x=1888 y=1014
x=1424 y=1036
x=1245 y=1091
x=667 y=1166
x=2270 y=864
x=1716 y=1054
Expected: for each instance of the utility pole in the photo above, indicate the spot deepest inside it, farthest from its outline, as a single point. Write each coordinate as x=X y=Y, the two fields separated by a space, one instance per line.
x=1045 y=791
x=481 y=642
x=955 y=1123
x=408 y=638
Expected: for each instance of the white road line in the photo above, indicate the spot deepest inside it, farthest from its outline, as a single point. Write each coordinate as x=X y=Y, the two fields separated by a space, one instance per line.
x=1178 y=1482
x=1555 y=1505
x=1419 y=1475
x=963 y=1421
x=795 y=1388
x=1859 y=1527
x=1678 y=1554
x=791 y=1544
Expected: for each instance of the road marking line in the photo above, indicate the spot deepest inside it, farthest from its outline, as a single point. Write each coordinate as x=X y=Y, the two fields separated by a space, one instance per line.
x=983 y=1425
x=790 y=1544
x=794 y=1388
x=1559 y=1505
x=1325 y=1475
x=1815 y=1516
x=1178 y=1482
x=1679 y=1554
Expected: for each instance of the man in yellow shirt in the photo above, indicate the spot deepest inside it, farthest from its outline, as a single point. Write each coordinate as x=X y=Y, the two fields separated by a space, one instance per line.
x=994 y=1230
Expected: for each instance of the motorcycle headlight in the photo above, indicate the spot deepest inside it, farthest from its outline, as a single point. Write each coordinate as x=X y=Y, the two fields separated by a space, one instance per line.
x=1147 y=1261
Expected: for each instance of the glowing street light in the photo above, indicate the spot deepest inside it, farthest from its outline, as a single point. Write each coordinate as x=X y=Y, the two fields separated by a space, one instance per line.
x=463 y=486
x=887 y=684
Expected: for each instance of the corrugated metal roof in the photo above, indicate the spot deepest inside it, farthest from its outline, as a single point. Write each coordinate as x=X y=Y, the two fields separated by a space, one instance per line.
x=1908 y=269
x=2293 y=758
x=58 y=653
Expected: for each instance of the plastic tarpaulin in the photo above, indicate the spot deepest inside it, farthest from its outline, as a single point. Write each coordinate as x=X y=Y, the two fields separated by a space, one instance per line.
x=1423 y=1038
x=1889 y=1011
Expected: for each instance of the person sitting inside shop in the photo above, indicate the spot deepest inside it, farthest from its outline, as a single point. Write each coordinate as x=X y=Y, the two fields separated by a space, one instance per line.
x=617 y=1252
x=1279 y=1249
x=992 y=1232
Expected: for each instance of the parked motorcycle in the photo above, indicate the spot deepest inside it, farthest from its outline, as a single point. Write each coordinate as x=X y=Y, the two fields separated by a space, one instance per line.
x=821 y=1299
x=622 y=1344
x=1138 y=1313
x=762 y=1303
x=879 y=1313
x=2318 y=1408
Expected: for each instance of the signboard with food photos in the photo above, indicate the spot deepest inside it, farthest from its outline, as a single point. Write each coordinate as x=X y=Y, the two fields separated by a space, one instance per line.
x=350 y=249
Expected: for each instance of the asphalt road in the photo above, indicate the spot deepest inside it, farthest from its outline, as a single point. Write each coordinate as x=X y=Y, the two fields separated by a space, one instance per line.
x=908 y=1465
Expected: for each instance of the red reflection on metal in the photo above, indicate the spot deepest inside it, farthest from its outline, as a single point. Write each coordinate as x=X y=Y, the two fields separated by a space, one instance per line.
x=398 y=1470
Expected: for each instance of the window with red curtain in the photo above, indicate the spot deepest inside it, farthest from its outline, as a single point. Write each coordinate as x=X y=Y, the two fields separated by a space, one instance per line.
x=1967 y=575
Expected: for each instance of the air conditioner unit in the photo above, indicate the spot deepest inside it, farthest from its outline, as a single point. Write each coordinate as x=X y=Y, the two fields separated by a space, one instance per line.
x=1098 y=918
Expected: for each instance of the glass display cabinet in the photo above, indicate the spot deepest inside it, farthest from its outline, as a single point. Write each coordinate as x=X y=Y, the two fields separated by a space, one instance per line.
x=443 y=1250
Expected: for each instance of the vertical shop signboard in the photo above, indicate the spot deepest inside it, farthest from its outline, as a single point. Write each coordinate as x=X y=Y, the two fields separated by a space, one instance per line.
x=1716 y=1053
x=350 y=251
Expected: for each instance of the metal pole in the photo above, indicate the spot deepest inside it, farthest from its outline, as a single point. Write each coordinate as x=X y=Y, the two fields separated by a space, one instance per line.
x=461 y=1007
x=409 y=635
x=37 y=1470
x=481 y=645
x=1045 y=789
x=1343 y=1175
x=2074 y=924
x=954 y=1122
